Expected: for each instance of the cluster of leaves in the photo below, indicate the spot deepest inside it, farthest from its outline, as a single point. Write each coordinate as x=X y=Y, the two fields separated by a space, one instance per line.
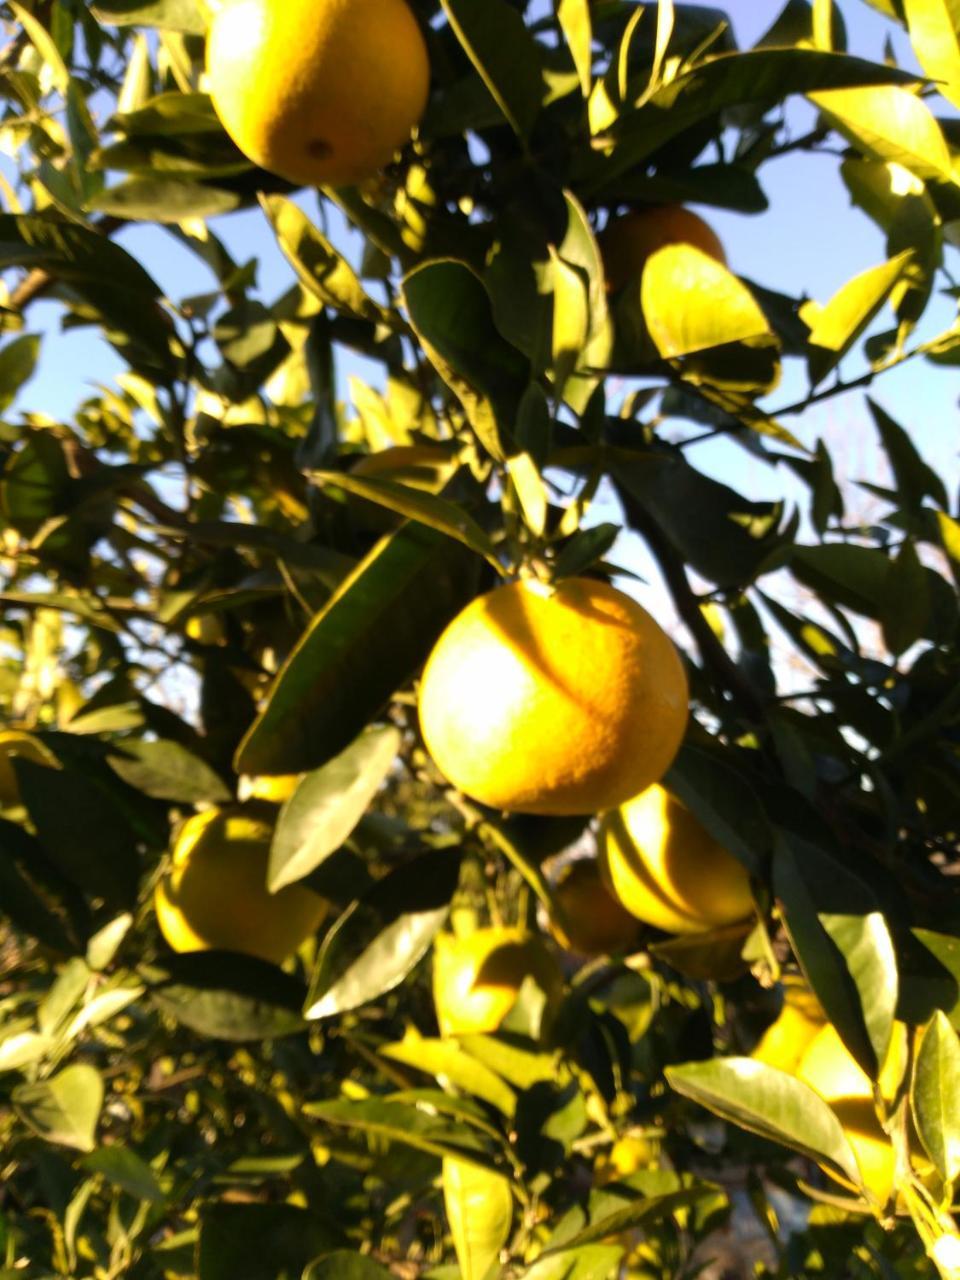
x=197 y=587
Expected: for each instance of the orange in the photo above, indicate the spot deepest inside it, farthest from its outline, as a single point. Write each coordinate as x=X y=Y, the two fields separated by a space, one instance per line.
x=801 y=1019
x=318 y=91
x=215 y=896
x=14 y=742
x=477 y=977
x=595 y=923
x=628 y=242
x=668 y=870
x=556 y=700
x=828 y=1067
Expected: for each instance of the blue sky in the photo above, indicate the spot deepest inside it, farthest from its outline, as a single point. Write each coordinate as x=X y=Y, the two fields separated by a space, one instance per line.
x=810 y=240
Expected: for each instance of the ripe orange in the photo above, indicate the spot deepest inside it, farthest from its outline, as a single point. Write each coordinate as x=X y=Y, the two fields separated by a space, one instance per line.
x=477 y=977
x=318 y=91
x=628 y=242
x=801 y=1019
x=595 y=923
x=216 y=893
x=557 y=699
x=668 y=870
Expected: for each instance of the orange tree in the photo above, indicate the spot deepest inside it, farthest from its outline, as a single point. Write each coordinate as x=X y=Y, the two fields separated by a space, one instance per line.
x=220 y=584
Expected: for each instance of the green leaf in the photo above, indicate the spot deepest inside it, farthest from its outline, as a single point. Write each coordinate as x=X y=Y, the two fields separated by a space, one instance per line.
x=328 y=804
x=18 y=360
x=868 y=951
x=892 y=124
x=907 y=614
x=915 y=479
x=227 y=996
x=64 y=1109
x=373 y=635
x=946 y=950
x=840 y=323
x=378 y=939
x=105 y=276
x=344 y=1265
x=320 y=268
x=45 y=46
x=647 y=1208
x=934 y=27
x=450 y=309
x=505 y=54
x=126 y=1170
x=591 y=1262
x=770 y=1103
x=723 y=799
x=571 y=320
x=853 y=576
x=479 y=1207
x=188 y=16
x=693 y=303
x=261 y=1241
x=167 y=771
x=447 y=1059
x=427 y=508
x=936 y=1088
x=163 y=200
x=406 y=1122
x=83 y=830
x=575 y=22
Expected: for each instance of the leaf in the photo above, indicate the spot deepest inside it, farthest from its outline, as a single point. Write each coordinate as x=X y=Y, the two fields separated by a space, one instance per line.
x=770 y=1103
x=575 y=22
x=407 y=1122
x=907 y=614
x=45 y=46
x=840 y=323
x=497 y=42
x=447 y=1059
x=946 y=950
x=188 y=16
x=868 y=951
x=164 y=200
x=591 y=1262
x=647 y=1208
x=379 y=938
x=64 y=1109
x=328 y=804
x=936 y=1088
x=450 y=309
x=915 y=479
x=261 y=1241
x=479 y=1206
x=23 y=1049
x=723 y=799
x=83 y=830
x=320 y=268
x=571 y=319
x=693 y=303
x=18 y=360
x=891 y=124
x=934 y=27
x=166 y=770
x=126 y=1170
x=427 y=508
x=344 y=1265
x=375 y=632
x=227 y=996
x=105 y=276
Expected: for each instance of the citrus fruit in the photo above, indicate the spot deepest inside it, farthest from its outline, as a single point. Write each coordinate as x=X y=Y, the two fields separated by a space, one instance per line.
x=275 y=790
x=627 y=242
x=477 y=977
x=625 y=1157
x=801 y=1019
x=668 y=870
x=317 y=91
x=553 y=699
x=828 y=1067
x=595 y=923
x=215 y=896
x=14 y=742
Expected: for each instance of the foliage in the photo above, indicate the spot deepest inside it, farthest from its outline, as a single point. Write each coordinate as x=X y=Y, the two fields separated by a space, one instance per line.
x=198 y=589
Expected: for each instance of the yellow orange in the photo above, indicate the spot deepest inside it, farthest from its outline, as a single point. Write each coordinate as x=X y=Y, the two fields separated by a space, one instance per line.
x=627 y=242
x=668 y=870
x=477 y=977
x=553 y=699
x=801 y=1019
x=215 y=896
x=275 y=790
x=318 y=91
x=595 y=923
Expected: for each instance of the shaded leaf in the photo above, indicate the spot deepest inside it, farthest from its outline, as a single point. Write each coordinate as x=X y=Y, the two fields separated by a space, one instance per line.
x=497 y=42
x=936 y=1089
x=344 y=1265
x=126 y=1170
x=227 y=996
x=261 y=1241
x=408 y=1122
x=167 y=771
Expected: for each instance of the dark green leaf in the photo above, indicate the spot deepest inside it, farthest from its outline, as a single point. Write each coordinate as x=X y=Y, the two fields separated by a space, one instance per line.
x=227 y=996
x=344 y=1265
x=506 y=56
x=936 y=1088
x=379 y=939
x=367 y=643
x=18 y=359
x=167 y=771
x=261 y=1241
x=162 y=199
